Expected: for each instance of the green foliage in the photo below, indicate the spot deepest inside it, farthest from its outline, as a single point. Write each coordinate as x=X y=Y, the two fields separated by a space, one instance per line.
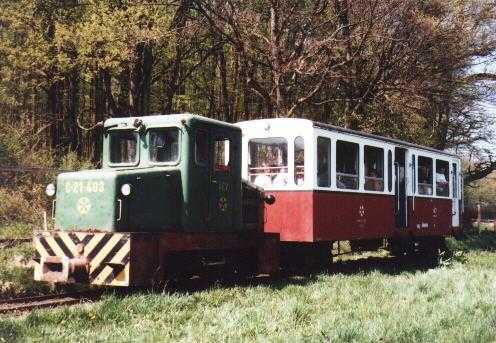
x=483 y=192
x=16 y=274
x=71 y=161
x=22 y=196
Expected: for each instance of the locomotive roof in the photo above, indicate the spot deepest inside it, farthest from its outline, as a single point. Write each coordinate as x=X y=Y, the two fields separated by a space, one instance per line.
x=162 y=119
x=298 y=122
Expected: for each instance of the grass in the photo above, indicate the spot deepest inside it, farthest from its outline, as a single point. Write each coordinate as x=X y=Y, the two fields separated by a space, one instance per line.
x=363 y=300
x=16 y=272
x=16 y=231
x=16 y=276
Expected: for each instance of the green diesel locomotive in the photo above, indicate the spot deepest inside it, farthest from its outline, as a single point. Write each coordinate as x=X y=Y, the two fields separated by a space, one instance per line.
x=169 y=200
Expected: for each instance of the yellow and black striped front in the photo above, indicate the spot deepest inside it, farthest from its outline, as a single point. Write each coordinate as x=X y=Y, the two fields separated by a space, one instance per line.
x=108 y=254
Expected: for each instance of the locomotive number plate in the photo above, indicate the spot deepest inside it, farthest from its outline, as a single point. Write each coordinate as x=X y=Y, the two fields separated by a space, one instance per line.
x=79 y=187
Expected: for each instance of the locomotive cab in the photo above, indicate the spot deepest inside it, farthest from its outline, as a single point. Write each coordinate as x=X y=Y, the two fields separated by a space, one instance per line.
x=158 y=174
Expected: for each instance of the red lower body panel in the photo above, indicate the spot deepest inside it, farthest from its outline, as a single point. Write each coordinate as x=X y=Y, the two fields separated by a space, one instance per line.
x=430 y=216
x=312 y=216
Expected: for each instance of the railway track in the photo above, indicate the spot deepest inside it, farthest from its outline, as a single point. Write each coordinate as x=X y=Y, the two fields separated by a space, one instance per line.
x=25 y=304
x=10 y=242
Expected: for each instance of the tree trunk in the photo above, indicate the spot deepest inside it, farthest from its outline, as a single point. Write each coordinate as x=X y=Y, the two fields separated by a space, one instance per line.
x=123 y=100
x=147 y=79
x=72 y=111
x=224 y=105
x=53 y=97
x=172 y=80
x=99 y=112
x=275 y=40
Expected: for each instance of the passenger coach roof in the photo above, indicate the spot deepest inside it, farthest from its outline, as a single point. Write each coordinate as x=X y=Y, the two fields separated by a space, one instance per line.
x=165 y=119
x=297 y=122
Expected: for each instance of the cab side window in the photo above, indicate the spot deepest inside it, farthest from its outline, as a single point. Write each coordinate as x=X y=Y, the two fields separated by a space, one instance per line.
x=221 y=155
x=201 y=148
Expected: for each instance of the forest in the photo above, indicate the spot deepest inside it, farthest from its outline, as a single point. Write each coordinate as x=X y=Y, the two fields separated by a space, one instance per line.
x=408 y=69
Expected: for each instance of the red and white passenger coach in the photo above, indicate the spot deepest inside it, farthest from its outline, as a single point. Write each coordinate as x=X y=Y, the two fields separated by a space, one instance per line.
x=333 y=184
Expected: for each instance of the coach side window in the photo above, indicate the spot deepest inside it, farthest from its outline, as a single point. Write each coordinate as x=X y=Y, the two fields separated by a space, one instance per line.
x=299 y=161
x=374 y=168
x=347 y=170
x=442 y=178
x=390 y=171
x=268 y=161
x=455 y=181
x=323 y=162
x=424 y=175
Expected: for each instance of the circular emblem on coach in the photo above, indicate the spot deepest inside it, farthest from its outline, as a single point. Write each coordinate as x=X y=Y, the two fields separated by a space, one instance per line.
x=361 y=211
x=223 y=203
x=83 y=205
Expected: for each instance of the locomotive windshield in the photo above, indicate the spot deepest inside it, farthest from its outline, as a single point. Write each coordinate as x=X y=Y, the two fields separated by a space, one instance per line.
x=123 y=147
x=164 y=145
x=268 y=164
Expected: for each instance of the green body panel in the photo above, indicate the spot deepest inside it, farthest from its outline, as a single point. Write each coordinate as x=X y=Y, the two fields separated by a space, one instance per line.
x=180 y=196
x=85 y=200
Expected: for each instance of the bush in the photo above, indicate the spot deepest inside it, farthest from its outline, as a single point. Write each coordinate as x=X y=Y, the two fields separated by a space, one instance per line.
x=14 y=207
x=22 y=196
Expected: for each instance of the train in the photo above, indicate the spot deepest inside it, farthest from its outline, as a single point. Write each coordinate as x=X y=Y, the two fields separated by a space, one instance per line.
x=182 y=195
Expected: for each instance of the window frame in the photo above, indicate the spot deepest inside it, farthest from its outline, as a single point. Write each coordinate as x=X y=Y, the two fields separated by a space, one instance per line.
x=448 y=181
x=358 y=167
x=390 y=165
x=328 y=141
x=432 y=194
x=294 y=162
x=205 y=164
x=179 y=141
x=221 y=138
x=365 y=146
x=286 y=141
x=454 y=181
x=138 y=148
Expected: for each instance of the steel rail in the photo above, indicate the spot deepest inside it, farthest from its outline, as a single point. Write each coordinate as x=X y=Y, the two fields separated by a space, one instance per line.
x=24 y=304
x=10 y=242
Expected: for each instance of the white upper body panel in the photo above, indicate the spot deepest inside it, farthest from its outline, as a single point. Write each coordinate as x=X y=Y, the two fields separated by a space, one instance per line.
x=372 y=171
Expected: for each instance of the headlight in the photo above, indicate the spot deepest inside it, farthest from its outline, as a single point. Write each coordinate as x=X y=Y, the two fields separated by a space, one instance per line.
x=50 y=190
x=126 y=189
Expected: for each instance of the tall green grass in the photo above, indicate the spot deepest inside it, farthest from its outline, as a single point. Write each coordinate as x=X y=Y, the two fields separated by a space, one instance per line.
x=364 y=300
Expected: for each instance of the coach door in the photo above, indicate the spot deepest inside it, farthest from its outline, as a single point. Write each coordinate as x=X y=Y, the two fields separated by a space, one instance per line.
x=400 y=197
x=221 y=183
x=455 y=177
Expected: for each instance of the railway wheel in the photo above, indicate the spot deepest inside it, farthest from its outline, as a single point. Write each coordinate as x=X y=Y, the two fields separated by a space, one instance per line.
x=306 y=257
x=429 y=249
